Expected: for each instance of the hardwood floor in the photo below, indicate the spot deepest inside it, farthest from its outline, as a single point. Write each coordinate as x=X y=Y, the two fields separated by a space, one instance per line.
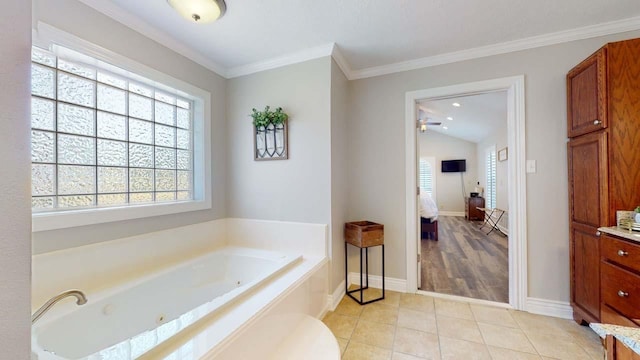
x=465 y=261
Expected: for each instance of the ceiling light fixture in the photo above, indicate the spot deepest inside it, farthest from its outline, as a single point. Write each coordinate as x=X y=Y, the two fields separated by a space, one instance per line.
x=446 y=128
x=449 y=118
x=456 y=104
x=199 y=11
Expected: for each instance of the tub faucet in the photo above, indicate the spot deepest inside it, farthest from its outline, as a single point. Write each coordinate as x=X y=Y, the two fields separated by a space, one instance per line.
x=79 y=295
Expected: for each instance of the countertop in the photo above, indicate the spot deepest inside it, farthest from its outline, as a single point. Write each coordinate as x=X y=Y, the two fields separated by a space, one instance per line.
x=621 y=232
x=627 y=335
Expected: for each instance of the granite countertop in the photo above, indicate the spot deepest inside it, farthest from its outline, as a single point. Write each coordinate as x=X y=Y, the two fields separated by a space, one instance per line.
x=627 y=335
x=621 y=232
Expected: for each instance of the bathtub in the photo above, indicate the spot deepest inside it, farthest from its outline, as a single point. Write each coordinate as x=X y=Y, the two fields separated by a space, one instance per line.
x=127 y=321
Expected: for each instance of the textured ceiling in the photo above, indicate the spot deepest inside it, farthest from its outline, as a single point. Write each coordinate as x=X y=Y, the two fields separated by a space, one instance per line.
x=369 y=33
x=476 y=119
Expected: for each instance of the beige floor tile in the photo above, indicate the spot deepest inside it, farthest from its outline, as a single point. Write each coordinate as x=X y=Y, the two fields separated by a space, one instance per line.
x=387 y=314
x=417 y=302
x=391 y=298
x=506 y=354
x=343 y=344
x=417 y=343
x=401 y=356
x=455 y=309
x=550 y=345
x=348 y=307
x=359 y=351
x=340 y=325
x=461 y=329
x=532 y=323
x=505 y=337
x=417 y=320
x=455 y=349
x=493 y=315
x=374 y=333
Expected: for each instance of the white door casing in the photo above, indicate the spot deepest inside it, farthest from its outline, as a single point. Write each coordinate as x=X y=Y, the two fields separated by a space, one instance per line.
x=516 y=177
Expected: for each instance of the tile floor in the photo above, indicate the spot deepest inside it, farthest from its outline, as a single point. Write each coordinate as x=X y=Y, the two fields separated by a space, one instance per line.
x=410 y=327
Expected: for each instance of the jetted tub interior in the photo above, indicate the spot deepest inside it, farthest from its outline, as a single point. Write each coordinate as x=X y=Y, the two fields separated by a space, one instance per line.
x=141 y=314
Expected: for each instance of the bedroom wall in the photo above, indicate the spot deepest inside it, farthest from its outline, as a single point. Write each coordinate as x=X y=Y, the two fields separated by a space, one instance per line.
x=499 y=140
x=103 y=31
x=449 y=185
x=378 y=112
x=15 y=206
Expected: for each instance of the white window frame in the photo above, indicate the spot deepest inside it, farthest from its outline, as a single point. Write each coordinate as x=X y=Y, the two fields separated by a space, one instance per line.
x=49 y=37
x=490 y=190
x=432 y=162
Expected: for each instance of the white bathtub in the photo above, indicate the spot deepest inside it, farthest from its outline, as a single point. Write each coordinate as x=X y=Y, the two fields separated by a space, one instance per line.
x=127 y=321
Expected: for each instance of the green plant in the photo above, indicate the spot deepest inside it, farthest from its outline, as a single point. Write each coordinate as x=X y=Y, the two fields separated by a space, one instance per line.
x=266 y=117
x=637 y=209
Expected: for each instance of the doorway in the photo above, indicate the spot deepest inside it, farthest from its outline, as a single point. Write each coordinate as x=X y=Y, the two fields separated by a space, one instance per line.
x=469 y=257
x=514 y=87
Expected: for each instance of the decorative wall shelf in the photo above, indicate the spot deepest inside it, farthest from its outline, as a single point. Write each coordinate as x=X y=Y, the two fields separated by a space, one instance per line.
x=271 y=142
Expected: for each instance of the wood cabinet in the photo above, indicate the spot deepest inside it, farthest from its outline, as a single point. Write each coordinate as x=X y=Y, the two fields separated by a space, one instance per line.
x=471 y=206
x=620 y=281
x=617 y=350
x=603 y=126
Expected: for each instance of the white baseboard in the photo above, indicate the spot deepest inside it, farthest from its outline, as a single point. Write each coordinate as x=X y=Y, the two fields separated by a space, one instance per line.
x=451 y=213
x=375 y=281
x=336 y=296
x=554 y=308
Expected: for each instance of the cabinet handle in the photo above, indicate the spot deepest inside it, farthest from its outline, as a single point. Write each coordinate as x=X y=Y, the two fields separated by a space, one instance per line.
x=598 y=233
x=597 y=122
x=622 y=293
x=622 y=253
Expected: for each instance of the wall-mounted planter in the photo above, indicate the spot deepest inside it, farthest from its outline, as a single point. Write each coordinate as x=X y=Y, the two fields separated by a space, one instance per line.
x=271 y=142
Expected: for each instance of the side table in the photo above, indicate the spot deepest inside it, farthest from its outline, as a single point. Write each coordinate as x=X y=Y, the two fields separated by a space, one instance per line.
x=363 y=235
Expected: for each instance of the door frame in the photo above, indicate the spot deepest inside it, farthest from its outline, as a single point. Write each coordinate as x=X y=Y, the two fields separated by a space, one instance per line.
x=516 y=176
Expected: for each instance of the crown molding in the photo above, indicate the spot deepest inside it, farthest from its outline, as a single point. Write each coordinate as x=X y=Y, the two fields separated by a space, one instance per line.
x=289 y=59
x=342 y=62
x=581 y=33
x=118 y=14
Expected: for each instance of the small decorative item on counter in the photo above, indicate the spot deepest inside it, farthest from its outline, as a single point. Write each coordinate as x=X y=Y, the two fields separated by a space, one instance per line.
x=270 y=134
x=637 y=216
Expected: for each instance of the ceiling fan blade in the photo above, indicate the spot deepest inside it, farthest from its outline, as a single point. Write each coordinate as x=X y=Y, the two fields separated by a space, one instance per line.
x=434 y=123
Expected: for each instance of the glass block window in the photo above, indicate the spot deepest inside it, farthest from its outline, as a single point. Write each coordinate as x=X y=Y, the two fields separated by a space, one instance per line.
x=103 y=139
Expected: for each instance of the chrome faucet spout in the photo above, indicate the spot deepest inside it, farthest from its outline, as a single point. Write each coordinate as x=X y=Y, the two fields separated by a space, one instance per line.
x=81 y=299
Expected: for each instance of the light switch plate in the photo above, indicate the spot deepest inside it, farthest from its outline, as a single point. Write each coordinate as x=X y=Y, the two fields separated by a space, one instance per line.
x=531 y=166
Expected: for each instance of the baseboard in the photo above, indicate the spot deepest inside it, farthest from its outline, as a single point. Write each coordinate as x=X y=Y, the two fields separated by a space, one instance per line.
x=560 y=309
x=451 y=213
x=336 y=296
x=375 y=281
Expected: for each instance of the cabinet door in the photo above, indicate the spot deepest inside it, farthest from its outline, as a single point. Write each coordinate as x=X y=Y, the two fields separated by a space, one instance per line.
x=588 y=180
x=587 y=95
x=585 y=273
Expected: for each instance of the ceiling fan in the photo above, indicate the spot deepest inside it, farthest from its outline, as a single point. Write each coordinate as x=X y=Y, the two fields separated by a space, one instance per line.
x=423 y=123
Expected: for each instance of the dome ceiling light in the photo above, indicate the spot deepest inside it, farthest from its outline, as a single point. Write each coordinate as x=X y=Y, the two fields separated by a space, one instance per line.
x=199 y=11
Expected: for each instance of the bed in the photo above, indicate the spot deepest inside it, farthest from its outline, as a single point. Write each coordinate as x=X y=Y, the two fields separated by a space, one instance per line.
x=428 y=217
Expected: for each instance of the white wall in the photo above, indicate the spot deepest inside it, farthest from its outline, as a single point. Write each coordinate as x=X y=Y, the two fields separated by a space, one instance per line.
x=15 y=180
x=378 y=192
x=449 y=194
x=80 y=20
x=339 y=171
x=499 y=140
x=297 y=189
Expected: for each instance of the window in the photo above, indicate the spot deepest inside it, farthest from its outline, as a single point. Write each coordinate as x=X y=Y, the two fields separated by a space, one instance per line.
x=98 y=139
x=109 y=142
x=427 y=179
x=490 y=166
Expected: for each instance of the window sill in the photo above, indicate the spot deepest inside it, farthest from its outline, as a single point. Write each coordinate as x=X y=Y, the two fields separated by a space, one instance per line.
x=74 y=218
